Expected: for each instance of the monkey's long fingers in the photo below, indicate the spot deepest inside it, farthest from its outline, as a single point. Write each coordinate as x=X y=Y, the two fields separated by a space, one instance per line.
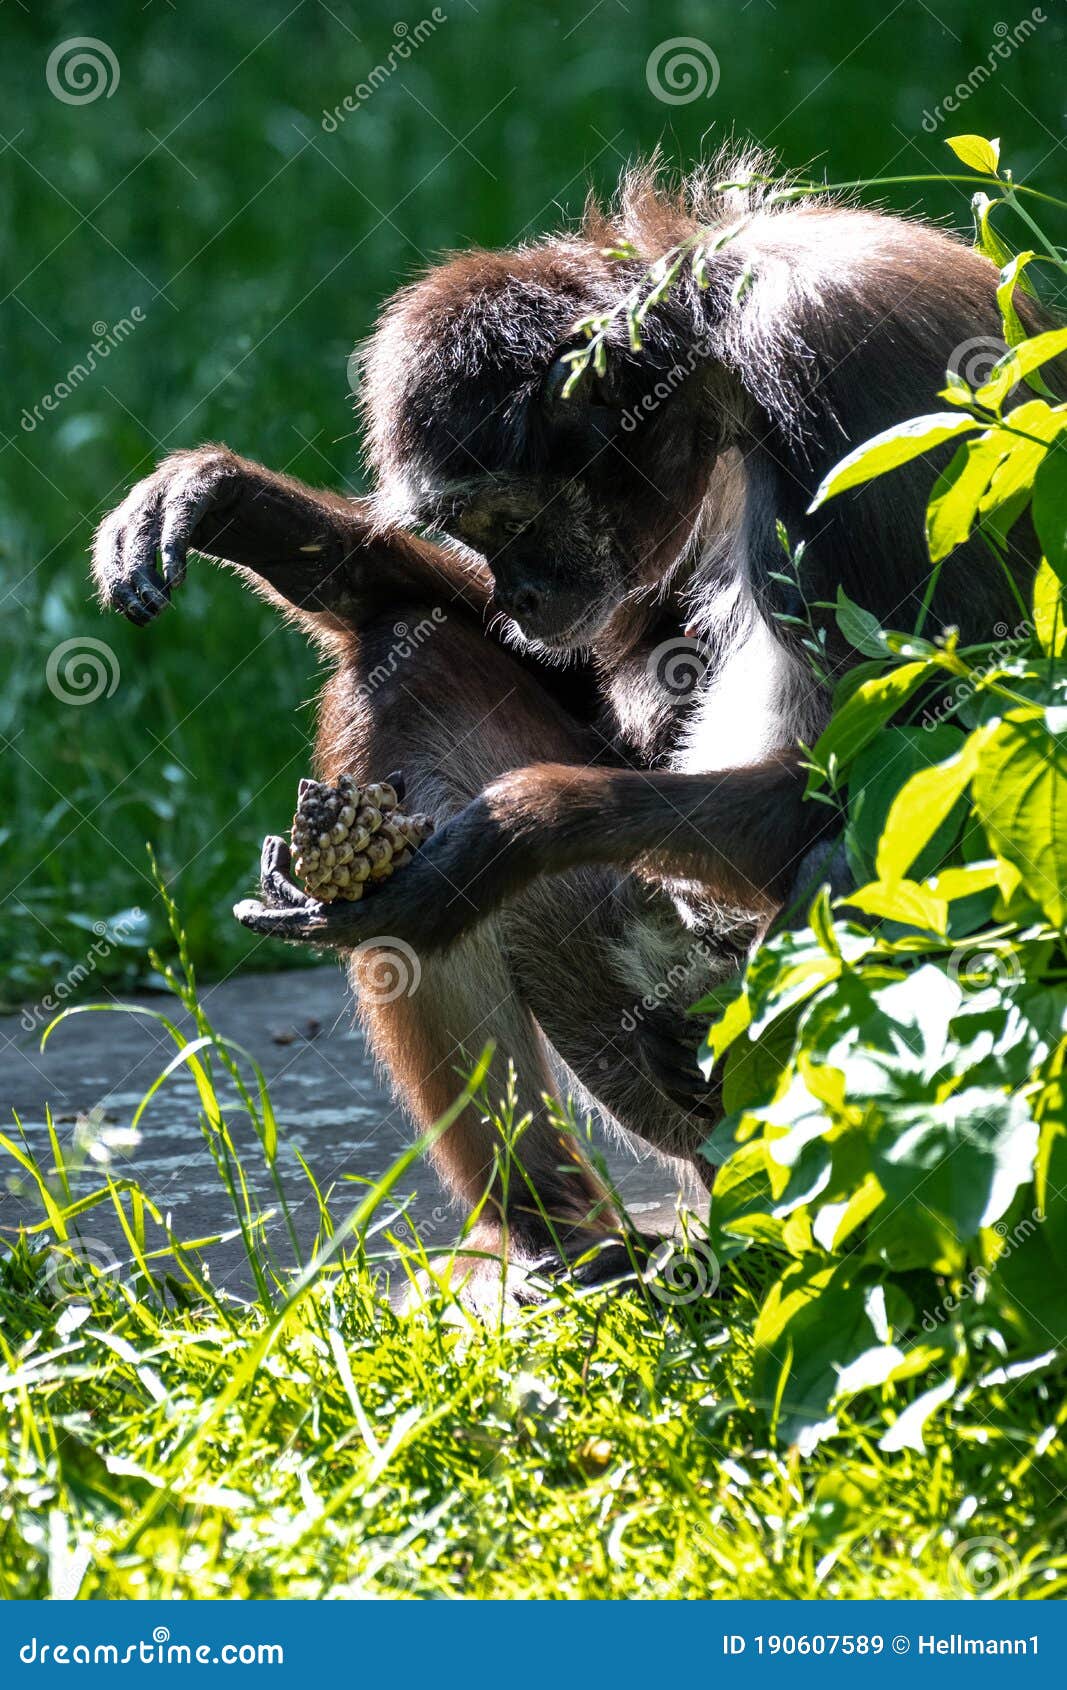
x=668 y=1059
x=275 y=882
x=124 y=561
x=285 y=912
x=184 y=508
x=140 y=550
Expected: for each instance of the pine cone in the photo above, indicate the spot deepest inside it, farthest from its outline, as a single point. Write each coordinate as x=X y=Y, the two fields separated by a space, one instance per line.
x=347 y=839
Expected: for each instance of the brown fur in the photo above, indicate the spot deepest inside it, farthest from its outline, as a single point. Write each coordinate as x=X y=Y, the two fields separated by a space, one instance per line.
x=598 y=833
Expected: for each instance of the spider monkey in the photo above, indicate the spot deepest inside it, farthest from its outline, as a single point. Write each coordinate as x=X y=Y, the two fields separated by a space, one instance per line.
x=601 y=828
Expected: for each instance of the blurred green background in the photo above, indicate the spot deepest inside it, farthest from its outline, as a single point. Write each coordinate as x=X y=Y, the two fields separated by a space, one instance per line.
x=205 y=191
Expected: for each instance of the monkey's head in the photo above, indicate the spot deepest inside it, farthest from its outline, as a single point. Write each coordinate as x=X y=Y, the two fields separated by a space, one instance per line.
x=574 y=500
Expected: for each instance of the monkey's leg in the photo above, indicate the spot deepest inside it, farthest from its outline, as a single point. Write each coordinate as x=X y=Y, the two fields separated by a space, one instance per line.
x=451 y=715
x=611 y=996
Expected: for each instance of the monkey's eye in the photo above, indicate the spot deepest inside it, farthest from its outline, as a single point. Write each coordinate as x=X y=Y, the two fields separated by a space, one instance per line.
x=512 y=525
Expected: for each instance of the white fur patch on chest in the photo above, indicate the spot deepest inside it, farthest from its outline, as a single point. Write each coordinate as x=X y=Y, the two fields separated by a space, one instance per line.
x=746 y=710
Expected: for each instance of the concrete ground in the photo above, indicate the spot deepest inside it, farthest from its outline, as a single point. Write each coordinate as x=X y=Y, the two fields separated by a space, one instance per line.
x=328 y=1101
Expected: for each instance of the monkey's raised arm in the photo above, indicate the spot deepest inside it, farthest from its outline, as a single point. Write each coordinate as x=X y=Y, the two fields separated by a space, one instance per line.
x=313 y=550
x=741 y=833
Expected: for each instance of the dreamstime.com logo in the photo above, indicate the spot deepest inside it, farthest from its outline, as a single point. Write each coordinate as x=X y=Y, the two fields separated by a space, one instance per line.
x=1009 y=642
x=390 y=970
x=678 y=666
x=80 y=69
x=155 y=1651
x=108 y=935
x=1008 y=39
x=106 y=340
x=682 y=70
x=681 y=1271
x=406 y=641
x=976 y=967
x=975 y=360
x=976 y=1281
x=665 y=387
x=408 y=38
x=677 y=977
x=79 y=1262
x=982 y=1567
x=81 y=670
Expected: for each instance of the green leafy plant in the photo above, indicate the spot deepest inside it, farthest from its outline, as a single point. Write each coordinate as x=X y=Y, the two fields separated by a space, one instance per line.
x=894 y=1071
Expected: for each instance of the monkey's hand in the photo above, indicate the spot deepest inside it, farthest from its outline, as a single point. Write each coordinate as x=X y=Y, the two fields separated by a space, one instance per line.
x=140 y=550
x=409 y=908
x=663 y=1048
x=425 y=905
x=209 y=500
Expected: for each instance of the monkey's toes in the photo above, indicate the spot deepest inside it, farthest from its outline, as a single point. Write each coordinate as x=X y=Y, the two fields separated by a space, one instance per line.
x=615 y=1261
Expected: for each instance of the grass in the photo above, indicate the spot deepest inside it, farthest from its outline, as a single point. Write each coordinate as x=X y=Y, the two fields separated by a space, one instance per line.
x=158 y=1439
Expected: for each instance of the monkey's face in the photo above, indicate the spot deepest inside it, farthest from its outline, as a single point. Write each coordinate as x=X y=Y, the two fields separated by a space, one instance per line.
x=558 y=568
x=575 y=500
x=602 y=504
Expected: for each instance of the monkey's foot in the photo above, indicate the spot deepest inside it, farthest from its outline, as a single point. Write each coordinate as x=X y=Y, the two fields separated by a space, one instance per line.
x=476 y=1277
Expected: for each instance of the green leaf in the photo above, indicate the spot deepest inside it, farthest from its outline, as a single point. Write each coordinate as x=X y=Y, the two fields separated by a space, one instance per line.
x=1048 y=611
x=953 y=507
x=1018 y=363
x=742 y=1189
x=954 y=884
x=860 y=628
x=902 y=901
x=865 y=713
x=1020 y=793
x=986 y=238
x=1030 y=1269
x=821 y=922
x=1009 y=490
x=835 y=1222
x=814 y=1322
x=964 y=1160
x=888 y=450
x=875 y=782
x=1013 y=275
x=922 y=806
x=1050 y=508
x=875 y=1366
x=976 y=152
x=721 y=1034
x=906 y=1431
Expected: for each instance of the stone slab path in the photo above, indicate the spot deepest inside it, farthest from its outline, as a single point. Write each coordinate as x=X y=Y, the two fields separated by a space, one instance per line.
x=327 y=1099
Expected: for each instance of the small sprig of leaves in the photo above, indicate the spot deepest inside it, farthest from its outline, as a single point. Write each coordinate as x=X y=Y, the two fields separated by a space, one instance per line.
x=810 y=636
x=974 y=151
x=651 y=288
